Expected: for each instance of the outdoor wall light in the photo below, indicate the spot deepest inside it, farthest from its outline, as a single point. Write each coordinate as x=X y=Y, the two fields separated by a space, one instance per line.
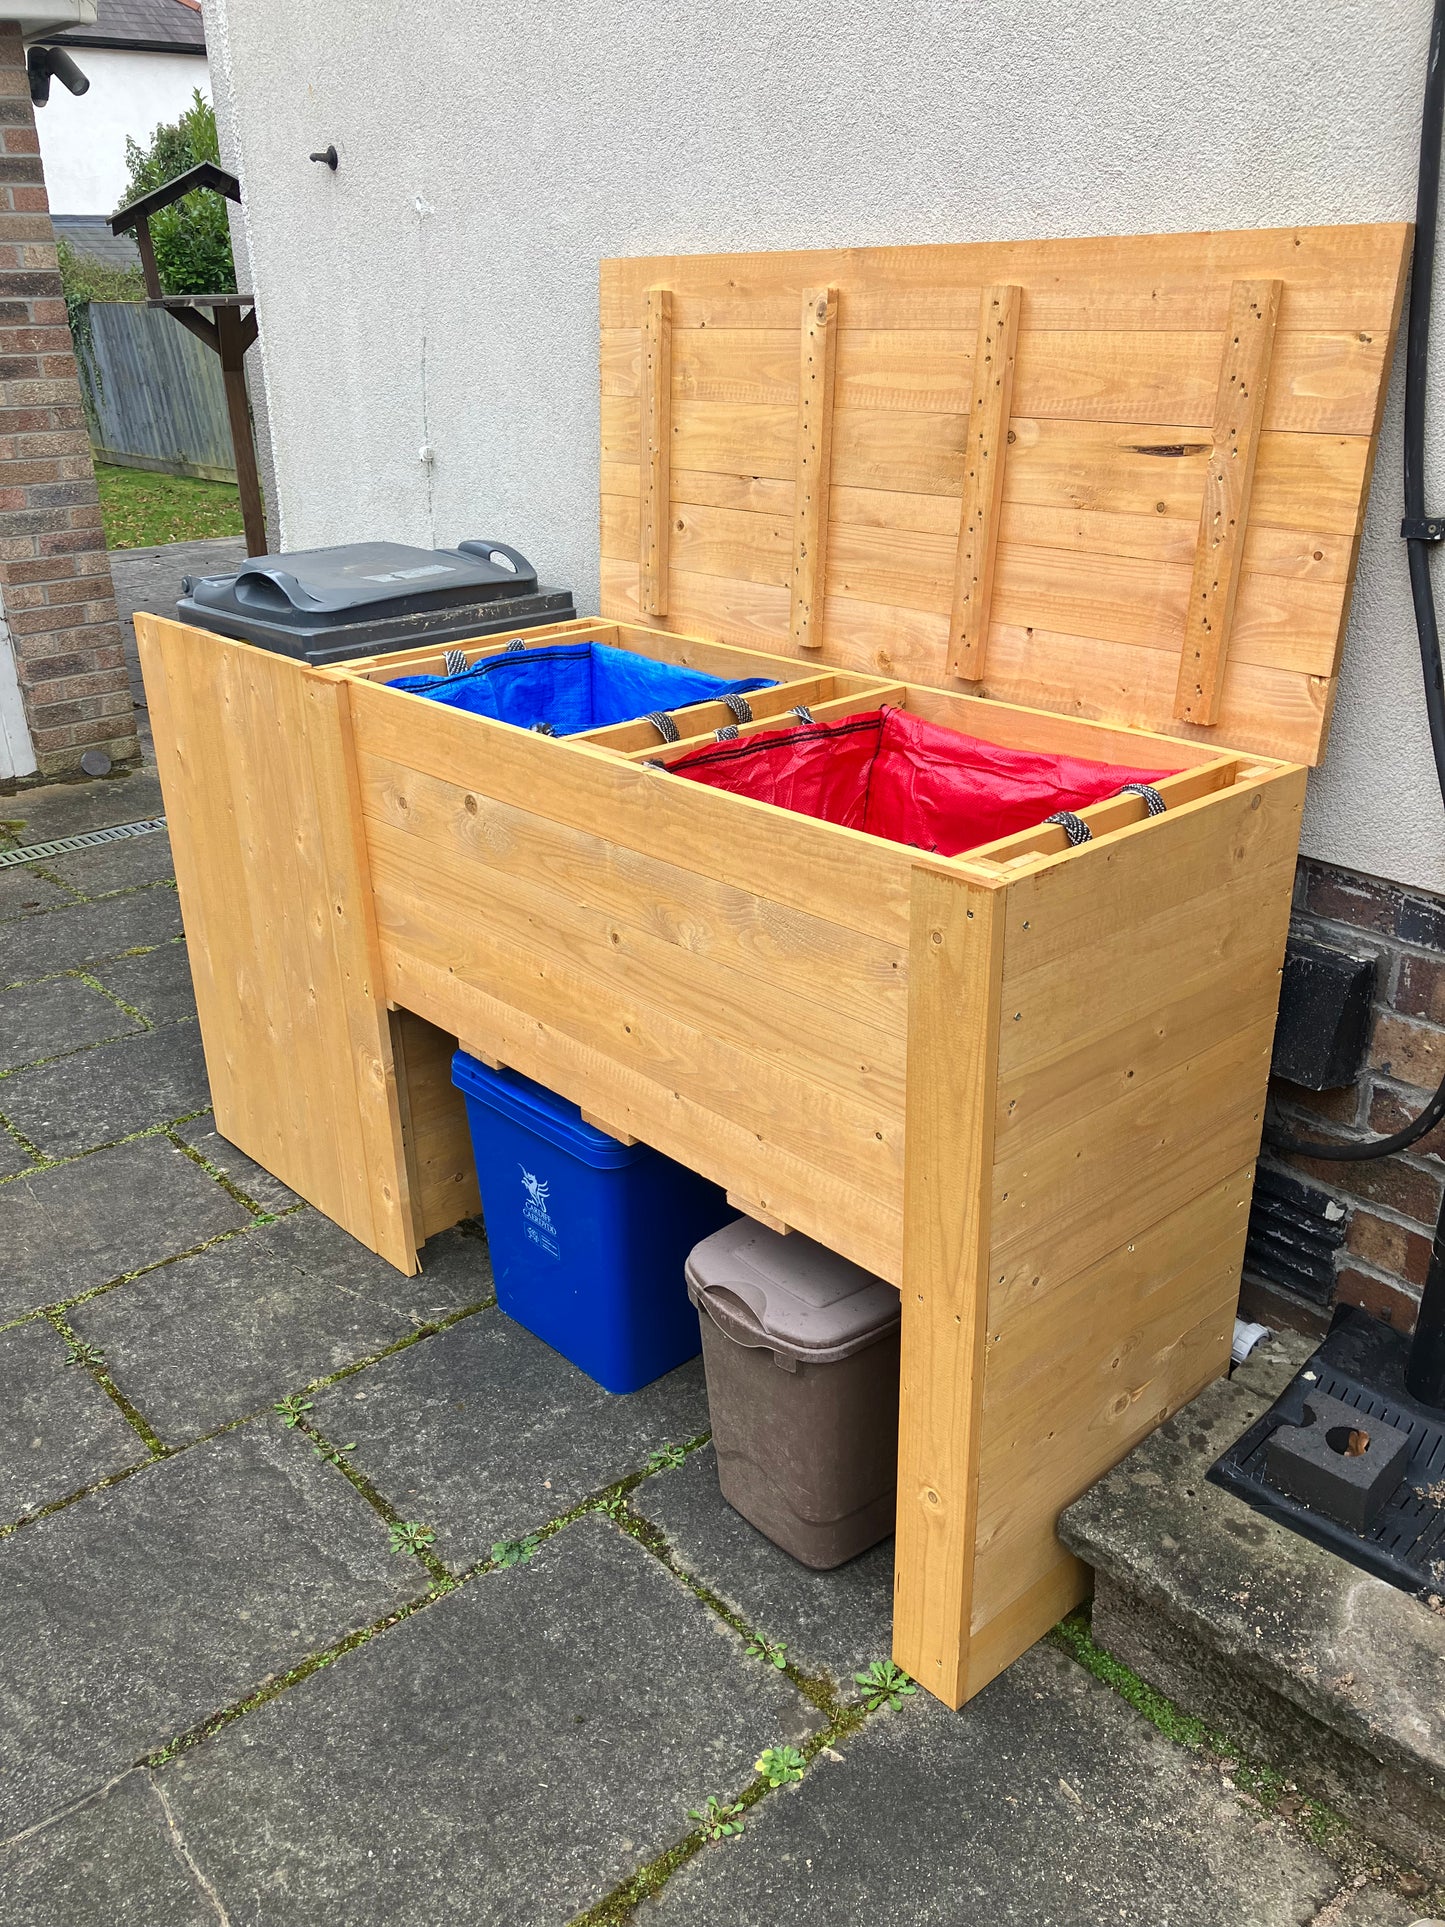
x=43 y=63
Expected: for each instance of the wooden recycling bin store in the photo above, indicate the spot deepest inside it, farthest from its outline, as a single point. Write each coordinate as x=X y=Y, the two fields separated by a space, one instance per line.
x=1101 y=498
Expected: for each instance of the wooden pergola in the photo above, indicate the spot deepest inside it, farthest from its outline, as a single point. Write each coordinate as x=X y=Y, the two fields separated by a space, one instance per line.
x=228 y=329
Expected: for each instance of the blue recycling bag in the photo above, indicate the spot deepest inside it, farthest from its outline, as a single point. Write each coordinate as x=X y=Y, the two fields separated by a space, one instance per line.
x=573 y=686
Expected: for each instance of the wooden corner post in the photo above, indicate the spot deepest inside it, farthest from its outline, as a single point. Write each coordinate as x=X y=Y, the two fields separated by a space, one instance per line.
x=655 y=465
x=814 y=464
x=1219 y=550
x=988 y=416
x=955 y=983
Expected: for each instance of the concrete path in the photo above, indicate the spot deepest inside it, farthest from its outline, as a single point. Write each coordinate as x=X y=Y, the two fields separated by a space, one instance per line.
x=333 y=1597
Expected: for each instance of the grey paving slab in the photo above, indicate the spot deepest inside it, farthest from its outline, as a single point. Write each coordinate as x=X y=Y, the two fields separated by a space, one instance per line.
x=61 y=809
x=1046 y=1801
x=67 y=1230
x=58 y=1429
x=248 y=1176
x=234 y=1328
x=12 y=1159
x=499 y=1760
x=137 y=1612
x=97 y=1096
x=485 y=1432
x=836 y=1621
x=116 y=866
x=158 y=984
x=60 y=1014
x=23 y=892
x=109 y=1863
x=87 y=933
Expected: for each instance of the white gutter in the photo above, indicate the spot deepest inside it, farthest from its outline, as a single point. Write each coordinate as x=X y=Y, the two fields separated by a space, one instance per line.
x=36 y=17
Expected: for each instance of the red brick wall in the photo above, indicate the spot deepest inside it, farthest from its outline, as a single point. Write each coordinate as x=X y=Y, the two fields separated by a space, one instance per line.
x=1390 y=1203
x=59 y=604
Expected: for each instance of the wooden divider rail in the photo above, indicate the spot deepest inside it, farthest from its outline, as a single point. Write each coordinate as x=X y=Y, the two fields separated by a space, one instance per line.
x=1070 y=1043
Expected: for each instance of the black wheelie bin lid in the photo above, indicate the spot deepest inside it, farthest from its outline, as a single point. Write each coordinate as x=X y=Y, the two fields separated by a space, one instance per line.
x=369 y=598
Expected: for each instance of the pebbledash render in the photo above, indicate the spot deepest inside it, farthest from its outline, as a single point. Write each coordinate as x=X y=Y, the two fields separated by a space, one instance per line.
x=57 y=602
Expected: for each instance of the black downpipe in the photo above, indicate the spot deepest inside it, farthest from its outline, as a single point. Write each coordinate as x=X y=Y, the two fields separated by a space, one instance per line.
x=1425 y=1372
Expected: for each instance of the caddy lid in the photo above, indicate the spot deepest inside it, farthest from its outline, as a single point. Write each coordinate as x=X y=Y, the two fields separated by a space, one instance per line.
x=789 y=1295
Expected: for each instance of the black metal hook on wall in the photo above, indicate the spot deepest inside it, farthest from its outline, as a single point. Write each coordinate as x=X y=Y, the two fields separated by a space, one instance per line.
x=328 y=156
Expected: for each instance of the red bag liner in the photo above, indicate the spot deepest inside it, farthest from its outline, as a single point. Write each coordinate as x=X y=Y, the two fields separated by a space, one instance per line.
x=912 y=781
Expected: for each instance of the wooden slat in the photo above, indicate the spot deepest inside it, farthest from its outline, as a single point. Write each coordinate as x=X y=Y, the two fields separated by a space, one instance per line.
x=656 y=451
x=814 y=465
x=833 y=710
x=989 y=411
x=440 y=1160
x=1239 y=417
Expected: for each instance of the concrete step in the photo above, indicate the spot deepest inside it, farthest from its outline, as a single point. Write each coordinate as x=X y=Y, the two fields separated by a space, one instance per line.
x=1295 y=1655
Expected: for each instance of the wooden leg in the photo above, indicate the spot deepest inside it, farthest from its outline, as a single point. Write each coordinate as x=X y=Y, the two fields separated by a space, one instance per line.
x=231 y=340
x=955 y=975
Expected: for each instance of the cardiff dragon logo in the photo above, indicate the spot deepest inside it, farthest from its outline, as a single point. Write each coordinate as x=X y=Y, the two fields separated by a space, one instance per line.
x=536 y=1187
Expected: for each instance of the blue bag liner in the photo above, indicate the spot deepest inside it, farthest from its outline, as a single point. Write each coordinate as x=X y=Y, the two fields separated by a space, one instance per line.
x=574 y=686
x=589 y=1237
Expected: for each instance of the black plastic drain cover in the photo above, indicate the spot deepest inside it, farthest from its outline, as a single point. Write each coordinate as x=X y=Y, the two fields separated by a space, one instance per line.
x=1361 y=1362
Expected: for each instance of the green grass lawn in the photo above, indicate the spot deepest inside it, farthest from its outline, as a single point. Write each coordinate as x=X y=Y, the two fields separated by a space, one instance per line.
x=142 y=510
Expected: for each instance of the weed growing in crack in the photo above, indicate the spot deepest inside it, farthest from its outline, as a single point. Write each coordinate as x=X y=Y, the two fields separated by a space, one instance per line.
x=779 y=1765
x=884 y=1684
x=79 y=1353
x=410 y=1535
x=666 y=1458
x=716 y=1820
x=292 y=1409
x=774 y=1651
x=615 y=1506
x=332 y=1454
x=514 y=1552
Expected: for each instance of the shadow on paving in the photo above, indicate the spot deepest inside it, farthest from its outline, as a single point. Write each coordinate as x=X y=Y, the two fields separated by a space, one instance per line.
x=228 y=1693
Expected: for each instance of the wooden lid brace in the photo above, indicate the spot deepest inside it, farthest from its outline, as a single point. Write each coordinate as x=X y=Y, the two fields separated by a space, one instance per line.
x=814 y=465
x=655 y=472
x=988 y=418
x=1228 y=484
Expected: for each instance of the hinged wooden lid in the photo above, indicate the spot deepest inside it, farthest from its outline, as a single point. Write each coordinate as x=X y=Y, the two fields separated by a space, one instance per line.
x=1120 y=478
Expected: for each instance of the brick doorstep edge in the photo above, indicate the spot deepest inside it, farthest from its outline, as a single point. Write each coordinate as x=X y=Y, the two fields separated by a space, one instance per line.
x=56 y=594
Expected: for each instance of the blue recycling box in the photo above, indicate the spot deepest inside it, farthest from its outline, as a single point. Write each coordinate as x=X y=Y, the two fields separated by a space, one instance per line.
x=589 y=1237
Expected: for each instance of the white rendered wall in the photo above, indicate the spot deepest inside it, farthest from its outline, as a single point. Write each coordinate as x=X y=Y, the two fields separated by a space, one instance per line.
x=441 y=288
x=83 y=136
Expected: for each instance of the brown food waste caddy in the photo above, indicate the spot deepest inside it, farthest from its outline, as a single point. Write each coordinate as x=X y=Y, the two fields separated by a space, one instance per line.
x=1096 y=497
x=801 y=1353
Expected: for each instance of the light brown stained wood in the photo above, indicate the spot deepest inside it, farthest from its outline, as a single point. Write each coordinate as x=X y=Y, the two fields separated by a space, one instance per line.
x=990 y=406
x=656 y=449
x=1239 y=416
x=955 y=980
x=440 y=1162
x=817 y=356
x=1108 y=450
x=259 y=776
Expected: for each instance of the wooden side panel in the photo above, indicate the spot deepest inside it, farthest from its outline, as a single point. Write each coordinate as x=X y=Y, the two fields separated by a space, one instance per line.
x=259 y=778
x=815 y=456
x=956 y=975
x=1139 y=985
x=978 y=530
x=1107 y=447
x=656 y=428
x=1219 y=556
x=440 y=1163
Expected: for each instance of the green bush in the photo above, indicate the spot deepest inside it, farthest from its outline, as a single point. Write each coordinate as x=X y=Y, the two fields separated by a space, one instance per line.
x=192 y=238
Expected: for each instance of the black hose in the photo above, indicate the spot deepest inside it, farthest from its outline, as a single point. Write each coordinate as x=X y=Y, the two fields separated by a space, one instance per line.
x=1417 y=369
